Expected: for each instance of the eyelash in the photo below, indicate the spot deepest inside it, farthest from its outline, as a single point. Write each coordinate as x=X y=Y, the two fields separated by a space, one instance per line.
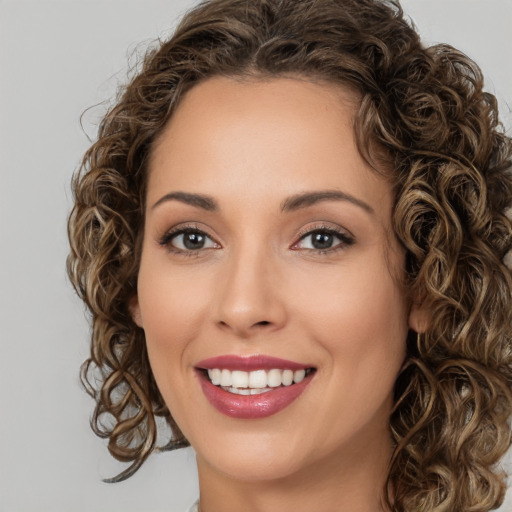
x=346 y=239
x=165 y=241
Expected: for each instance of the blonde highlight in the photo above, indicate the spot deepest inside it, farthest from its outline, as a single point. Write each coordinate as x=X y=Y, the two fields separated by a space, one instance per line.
x=424 y=120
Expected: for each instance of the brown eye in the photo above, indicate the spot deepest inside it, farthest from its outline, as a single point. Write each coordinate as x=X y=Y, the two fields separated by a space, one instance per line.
x=324 y=240
x=321 y=240
x=188 y=240
x=193 y=241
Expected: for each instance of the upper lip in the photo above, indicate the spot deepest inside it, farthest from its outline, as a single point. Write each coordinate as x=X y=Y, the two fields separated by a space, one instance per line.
x=249 y=363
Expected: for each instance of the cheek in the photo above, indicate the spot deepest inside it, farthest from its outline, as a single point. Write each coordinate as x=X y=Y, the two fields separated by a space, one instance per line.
x=360 y=319
x=172 y=312
x=173 y=309
x=358 y=295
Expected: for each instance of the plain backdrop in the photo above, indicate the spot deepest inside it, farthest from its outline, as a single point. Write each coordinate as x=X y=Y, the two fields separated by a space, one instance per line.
x=57 y=58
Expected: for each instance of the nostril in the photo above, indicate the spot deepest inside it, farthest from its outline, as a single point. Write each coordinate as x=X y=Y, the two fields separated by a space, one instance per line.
x=263 y=322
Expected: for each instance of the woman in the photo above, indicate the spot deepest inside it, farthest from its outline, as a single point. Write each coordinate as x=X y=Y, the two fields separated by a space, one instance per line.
x=291 y=236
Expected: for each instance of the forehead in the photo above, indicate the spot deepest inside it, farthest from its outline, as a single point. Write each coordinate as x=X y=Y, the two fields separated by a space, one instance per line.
x=249 y=137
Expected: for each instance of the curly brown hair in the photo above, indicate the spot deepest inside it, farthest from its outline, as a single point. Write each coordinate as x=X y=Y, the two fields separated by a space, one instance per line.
x=424 y=113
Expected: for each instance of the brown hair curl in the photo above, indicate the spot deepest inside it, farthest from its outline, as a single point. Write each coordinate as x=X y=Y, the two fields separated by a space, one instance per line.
x=422 y=110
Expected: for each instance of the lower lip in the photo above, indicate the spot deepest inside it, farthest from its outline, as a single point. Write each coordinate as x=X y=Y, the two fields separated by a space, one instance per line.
x=252 y=406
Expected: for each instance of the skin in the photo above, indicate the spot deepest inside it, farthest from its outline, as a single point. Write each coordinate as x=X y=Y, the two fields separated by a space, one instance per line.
x=259 y=286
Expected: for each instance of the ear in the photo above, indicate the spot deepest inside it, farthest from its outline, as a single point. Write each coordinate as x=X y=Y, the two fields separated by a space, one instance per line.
x=133 y=306
x=419 y=317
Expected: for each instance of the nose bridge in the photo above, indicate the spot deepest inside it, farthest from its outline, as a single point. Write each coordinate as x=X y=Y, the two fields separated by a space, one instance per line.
x=249 y=300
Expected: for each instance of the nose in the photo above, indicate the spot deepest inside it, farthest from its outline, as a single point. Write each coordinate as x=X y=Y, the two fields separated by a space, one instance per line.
x=250 y=299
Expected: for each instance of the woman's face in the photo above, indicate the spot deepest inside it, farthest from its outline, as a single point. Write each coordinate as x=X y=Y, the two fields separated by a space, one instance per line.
x=267 y=236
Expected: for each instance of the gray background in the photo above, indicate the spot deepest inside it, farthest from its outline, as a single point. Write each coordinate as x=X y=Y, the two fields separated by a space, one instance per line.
x=58 y=57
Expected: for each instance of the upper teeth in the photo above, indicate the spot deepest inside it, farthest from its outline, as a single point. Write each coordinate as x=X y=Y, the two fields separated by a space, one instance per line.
x=257 y=379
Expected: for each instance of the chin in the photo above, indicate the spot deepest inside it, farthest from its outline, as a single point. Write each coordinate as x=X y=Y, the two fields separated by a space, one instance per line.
x=254 y=466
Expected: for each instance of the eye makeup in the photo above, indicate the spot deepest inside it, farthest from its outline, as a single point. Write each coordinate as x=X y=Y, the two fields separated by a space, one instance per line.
x=322 y=235
x=188 y=240
x=191 y=239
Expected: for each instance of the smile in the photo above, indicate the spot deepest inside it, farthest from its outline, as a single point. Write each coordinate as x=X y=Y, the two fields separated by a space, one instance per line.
x=252 y=387
x=258 y=380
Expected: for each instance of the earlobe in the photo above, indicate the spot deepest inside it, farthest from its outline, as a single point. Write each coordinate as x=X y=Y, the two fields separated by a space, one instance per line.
x=133 y=306
x=419 y=317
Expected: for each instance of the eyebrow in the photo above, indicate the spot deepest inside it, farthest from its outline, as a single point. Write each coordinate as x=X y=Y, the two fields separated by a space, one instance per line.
x=290 y=204
x=197 y=200
x=306 y=199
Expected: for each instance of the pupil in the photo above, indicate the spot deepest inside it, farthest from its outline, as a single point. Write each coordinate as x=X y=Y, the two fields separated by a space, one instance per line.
x=322 y=240
x=193 y=240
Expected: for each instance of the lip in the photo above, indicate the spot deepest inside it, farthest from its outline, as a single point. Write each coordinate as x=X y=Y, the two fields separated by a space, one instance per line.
x=252 y=406
x=249 y=363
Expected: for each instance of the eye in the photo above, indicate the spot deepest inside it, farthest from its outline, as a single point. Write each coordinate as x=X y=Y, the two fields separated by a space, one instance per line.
x=187 y=240
x=324 y=240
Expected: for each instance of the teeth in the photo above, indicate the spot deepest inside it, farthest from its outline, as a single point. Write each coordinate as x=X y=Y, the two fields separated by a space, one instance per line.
x=215 y=376
x=287 y=377
x=225 y=378
x=239 y=379
x=274 y=378
x=257 y=380
x=299 y=375
x=246 y=391
x=259 y=391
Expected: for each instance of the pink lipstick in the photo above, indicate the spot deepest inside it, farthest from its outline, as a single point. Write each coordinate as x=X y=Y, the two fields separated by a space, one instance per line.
x=250 y=387
x=248 y=363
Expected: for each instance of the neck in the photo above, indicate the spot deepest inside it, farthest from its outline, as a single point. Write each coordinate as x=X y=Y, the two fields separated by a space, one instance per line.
x=349 y=480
